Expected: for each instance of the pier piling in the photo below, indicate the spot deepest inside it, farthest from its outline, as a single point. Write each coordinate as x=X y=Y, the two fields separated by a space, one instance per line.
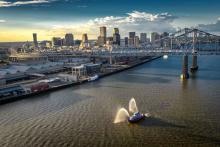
x=194 y=66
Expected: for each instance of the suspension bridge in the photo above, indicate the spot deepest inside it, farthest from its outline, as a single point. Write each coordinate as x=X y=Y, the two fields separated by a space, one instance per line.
x=186 y=42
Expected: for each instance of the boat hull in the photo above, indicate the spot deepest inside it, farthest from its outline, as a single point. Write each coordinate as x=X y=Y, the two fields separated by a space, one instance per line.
x=136 y=119
x=94 y=78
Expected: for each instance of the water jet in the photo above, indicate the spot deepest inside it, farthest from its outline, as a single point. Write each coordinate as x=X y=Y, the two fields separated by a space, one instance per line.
x=133 y=106
x=123 y=115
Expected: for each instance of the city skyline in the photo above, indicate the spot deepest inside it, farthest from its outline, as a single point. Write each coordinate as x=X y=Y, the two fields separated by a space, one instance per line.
x=86 y=16
x=109 y=73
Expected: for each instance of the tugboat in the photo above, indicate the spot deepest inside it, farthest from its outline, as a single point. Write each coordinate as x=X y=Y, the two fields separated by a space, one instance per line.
x=137 y=116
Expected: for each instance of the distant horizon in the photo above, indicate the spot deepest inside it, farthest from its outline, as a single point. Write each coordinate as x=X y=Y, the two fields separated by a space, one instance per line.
x=40 y=41
x=93 y=39
x=54 y=18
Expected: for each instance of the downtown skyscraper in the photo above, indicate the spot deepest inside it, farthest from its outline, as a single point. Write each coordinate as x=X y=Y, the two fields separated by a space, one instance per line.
x=116 y=37
x=131 y=38
x=35 y=42
x=85 y=41
x=143 y=37
x=154 y=36
x=102 y=37
x=69 y=40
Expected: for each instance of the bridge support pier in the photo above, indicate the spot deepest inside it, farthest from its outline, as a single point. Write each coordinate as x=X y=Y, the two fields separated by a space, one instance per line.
x=185 y=74
x=194 y=66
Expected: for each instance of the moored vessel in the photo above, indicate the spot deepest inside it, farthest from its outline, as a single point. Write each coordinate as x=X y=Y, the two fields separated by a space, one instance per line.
x=93 y=78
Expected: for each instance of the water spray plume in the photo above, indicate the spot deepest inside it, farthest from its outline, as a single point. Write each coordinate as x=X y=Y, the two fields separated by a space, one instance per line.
x=122 y=115
x=133 y=106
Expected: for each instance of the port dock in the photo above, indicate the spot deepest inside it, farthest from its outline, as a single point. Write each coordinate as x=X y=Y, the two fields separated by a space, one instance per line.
x=61 y=85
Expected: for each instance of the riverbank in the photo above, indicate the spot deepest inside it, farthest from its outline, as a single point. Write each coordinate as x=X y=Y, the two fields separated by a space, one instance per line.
x=54 y=88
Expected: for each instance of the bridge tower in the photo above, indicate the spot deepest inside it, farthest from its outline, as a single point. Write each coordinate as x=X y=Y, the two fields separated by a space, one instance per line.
x=194 y=66
x=185 y=74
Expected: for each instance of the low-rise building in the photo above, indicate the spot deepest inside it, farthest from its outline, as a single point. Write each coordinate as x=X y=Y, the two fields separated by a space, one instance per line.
x=92 y=68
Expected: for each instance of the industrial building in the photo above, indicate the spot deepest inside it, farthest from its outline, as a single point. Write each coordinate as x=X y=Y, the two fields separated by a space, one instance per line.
x=14 y=73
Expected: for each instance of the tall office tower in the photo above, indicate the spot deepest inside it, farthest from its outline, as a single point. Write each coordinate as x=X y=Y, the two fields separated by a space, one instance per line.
x=102 y=36
x=56 y=41
x=162 y=42
x=164 y=34
x=69 y=40
x=136 y=41
x=84 y=42
x=131 y=34
x=126 y=41
x=143 y=37
x=131 y=42
x=85 y=38
x=103 y=32
x=116 y=31
x=35 y=40
x=154 y=36
x=116 y=37
x=101 y=41
x=131 y=38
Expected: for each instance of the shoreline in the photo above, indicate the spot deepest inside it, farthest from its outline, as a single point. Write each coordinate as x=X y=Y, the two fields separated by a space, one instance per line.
x=15 y=98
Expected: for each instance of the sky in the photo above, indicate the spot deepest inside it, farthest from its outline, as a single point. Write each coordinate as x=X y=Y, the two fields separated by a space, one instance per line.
x=48 y=18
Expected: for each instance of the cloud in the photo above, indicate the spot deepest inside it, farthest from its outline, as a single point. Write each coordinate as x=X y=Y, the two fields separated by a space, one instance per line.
x=2 y=21
x=212 y=27
x=133 y=21
x=19 y=3
x=139 y=21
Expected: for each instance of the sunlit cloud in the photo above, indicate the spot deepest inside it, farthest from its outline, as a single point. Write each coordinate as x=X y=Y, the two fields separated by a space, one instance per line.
x=133 y=21
x=77 y=30
x=19 y=3
x=133 y=18
x=2 y=21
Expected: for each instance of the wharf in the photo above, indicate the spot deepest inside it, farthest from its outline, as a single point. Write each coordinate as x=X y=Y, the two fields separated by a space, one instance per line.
x=69 y=84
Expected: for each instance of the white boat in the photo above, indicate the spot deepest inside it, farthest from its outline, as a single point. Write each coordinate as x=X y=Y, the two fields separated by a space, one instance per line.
x=93 y=78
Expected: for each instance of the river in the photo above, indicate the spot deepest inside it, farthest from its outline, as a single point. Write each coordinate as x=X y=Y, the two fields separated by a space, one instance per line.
x=185 y=113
